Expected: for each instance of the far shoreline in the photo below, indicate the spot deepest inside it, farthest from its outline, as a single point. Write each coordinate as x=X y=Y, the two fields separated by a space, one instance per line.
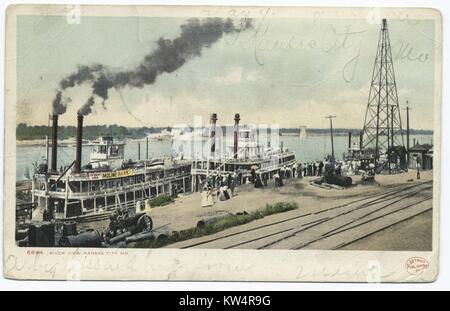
x=71 y=141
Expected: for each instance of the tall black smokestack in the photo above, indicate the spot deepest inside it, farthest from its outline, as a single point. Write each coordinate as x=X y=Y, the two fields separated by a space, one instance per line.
x=349 y=140
x=236 y=134
x=213 y=121
x=54 y=169
x=79 y=144
x=361 y=136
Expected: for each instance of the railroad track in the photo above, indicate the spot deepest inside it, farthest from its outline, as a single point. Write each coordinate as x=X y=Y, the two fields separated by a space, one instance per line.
x=294 y=231
x=352 y=225
x=304 y=222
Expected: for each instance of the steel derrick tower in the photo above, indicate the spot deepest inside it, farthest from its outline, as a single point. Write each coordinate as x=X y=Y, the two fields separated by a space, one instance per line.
x=382 y=125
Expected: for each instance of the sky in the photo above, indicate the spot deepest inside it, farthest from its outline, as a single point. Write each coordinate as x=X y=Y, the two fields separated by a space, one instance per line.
x=286 y=71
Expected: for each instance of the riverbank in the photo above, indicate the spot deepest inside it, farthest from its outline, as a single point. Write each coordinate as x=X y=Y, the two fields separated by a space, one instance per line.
x=42 y=142
x=403 y=235
x=185 y=212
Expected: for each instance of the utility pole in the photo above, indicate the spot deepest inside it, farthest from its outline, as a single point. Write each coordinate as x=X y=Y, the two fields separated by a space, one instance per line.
x=331 y=131
x=407 y=130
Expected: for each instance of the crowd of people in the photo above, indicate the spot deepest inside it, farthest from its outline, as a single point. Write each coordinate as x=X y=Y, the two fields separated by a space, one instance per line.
x=311 y=168
x=219 y=186
x=222 y=186
x=317 y=168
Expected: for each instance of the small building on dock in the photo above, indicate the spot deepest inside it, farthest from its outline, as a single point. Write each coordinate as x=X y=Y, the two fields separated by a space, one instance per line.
x=422 y=154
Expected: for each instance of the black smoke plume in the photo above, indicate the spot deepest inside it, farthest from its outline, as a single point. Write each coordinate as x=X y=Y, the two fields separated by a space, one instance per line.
x=83 y=74
x=168 y=56
x=87 y=107
x=59 y=103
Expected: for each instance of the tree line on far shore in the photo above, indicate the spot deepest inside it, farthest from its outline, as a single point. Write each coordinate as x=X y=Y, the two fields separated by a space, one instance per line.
x=345 y=131
x=27 y=132
x=32 y=132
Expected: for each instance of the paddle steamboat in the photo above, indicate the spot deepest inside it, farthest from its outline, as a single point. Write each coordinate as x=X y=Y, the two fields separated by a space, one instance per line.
x=220 y=154
x=108 y=181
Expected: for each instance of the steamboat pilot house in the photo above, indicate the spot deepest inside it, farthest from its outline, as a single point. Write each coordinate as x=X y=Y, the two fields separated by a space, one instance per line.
x=107 y=153
x=107 y=182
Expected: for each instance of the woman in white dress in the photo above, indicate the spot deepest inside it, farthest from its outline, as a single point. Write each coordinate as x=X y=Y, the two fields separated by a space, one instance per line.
x=207 y=196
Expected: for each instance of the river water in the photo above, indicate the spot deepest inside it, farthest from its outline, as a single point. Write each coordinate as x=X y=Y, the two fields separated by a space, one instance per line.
x=314 y=147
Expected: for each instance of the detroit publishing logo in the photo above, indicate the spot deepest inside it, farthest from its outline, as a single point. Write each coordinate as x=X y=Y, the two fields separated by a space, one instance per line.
x=416 y=265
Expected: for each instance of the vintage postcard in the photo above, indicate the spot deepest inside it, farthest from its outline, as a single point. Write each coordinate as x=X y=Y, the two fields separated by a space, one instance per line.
x=222 y=143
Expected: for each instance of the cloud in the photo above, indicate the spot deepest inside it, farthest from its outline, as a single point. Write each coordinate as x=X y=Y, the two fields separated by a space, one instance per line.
x=255 y=76
x=235 y=75
x=159 y=110
x=232 y=76
x=296 y=86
